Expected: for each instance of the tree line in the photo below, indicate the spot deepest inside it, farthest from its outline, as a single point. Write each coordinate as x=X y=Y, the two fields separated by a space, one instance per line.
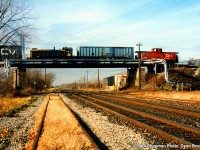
x=34 y=80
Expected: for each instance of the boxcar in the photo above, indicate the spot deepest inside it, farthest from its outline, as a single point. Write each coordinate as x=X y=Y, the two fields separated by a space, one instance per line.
x=10 y=52
x=105 y=52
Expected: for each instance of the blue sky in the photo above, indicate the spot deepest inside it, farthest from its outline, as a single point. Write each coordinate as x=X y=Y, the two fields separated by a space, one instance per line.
x=173 y=25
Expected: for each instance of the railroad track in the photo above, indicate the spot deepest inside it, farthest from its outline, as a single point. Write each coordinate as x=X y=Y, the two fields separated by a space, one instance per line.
x=189 y=116
x=51 y=101
x=173 y=103
x=171 y=131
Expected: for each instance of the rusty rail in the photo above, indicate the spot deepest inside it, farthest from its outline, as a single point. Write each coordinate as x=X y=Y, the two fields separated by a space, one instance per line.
x=84 y=130
x=36 y=140
x=139 y=124
x=40 y=126
x=171 y=123
x=183 y=111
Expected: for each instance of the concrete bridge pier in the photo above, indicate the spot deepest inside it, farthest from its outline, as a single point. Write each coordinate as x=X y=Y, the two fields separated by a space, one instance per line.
x=19 y=78
x=132 y=73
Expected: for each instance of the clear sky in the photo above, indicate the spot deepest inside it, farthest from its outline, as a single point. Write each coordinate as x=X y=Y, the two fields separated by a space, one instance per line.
x=173 y=25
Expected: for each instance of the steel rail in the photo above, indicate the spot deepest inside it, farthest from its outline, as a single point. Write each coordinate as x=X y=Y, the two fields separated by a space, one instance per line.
x=140 y=124
x=184 y=111
x=168 y=122
x=84 y=130
x=40 y=126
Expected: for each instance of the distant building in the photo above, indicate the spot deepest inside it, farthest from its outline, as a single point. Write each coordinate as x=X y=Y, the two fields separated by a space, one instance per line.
x=115 y=82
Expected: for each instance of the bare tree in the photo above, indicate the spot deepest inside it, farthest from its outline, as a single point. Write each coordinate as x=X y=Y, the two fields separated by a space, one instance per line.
x=15 y=20
x=6 y=84
x=50 y=77
x=36 y=79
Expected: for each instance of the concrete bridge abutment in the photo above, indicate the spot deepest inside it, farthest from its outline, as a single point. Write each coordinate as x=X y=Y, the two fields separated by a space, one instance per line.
x=19 y=78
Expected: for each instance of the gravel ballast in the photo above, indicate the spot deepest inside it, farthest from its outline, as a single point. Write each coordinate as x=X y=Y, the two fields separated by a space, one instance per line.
x=14 y=129
x=115 y=136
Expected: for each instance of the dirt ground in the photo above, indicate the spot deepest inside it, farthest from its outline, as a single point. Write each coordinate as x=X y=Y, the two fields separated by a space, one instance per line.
x=182 y=96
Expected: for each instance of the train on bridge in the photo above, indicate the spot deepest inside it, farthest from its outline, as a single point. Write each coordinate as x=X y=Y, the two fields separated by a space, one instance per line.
x=85 y=52
x=157 y=53
x=89 y=52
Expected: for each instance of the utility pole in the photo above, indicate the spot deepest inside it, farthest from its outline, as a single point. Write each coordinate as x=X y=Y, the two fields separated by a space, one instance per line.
x=98 y=80
x=84 y=80
x=139 y=65
x=45 y=78
x=87 y=78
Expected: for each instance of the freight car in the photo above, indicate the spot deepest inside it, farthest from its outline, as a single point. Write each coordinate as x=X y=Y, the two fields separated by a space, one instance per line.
x=157 y=53
x=10 y=52
x=66 y=52
x=105 y=52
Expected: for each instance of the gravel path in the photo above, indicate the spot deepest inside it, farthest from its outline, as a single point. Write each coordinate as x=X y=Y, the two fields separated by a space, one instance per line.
x=115 y=136
x=14 y=129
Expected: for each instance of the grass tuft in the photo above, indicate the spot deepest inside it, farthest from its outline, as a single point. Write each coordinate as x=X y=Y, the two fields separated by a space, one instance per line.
x=7 y=105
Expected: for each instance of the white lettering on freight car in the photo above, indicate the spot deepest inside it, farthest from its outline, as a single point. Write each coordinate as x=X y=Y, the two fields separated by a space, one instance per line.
x=7 y=51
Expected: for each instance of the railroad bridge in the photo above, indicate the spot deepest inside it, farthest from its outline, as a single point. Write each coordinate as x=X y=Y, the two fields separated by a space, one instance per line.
x=22 y=64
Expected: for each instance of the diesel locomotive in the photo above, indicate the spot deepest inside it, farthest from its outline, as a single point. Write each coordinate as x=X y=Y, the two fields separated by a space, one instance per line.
x=65 y=52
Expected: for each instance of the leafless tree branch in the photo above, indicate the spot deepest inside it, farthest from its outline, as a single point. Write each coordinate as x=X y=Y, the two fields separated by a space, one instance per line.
x=14 y=20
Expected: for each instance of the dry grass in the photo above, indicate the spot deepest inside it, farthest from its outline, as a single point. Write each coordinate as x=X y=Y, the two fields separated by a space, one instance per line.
x=9 y=104
x=182 y=96
x=35 y=129
x=61 y=129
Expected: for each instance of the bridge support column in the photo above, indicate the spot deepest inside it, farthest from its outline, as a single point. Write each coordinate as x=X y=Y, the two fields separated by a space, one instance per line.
x=19 y=78
x=132 y=72
x=143 y=76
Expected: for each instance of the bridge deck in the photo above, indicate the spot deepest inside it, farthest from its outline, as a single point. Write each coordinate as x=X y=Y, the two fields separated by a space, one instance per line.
x=73 y=63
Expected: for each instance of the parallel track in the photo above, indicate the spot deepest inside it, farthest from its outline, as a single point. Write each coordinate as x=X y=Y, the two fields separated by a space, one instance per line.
x=189 y=116
x=175 y=109
x=171 y=131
